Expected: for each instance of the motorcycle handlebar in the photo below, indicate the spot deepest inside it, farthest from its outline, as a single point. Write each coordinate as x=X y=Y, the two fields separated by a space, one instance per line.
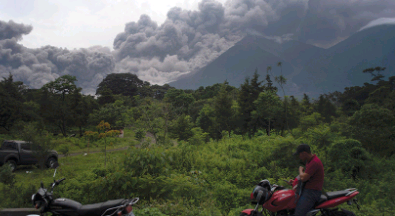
x=60 y=180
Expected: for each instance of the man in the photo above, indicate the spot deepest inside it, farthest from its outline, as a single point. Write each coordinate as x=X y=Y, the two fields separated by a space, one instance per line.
x=313 y=177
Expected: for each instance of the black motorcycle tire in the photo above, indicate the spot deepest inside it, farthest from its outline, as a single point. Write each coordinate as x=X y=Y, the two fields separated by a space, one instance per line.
x=252 y=214
x=339 y=212
x=50 y=162
x=344 y=212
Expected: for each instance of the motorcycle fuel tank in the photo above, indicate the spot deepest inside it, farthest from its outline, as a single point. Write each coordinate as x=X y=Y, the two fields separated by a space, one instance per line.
x=65 y=206
x=283 y=199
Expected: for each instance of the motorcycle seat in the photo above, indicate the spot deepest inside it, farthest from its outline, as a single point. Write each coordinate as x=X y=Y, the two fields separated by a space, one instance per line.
x=336 y=194
x=99 y=208
x=323 y=198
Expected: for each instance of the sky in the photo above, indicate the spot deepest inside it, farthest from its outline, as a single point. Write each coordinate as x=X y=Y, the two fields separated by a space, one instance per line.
x=160 y=41
x=83 y=23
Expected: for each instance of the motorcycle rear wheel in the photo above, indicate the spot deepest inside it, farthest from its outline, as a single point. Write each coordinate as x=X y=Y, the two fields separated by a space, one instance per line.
x=337 y=212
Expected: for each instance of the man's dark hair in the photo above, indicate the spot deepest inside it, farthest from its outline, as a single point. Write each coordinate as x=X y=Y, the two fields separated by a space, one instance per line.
x=303 y=148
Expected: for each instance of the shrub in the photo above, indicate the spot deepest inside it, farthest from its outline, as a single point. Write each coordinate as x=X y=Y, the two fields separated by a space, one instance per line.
x=64 y=149
x=6 y=175
x=199 y=137
x=140 y=134
x=349 y=156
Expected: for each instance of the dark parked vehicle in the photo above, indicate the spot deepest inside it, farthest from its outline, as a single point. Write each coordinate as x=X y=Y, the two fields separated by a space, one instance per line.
x=16 y=152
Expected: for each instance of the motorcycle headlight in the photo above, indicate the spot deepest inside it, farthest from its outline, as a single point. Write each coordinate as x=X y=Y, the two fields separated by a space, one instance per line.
x=33 y=196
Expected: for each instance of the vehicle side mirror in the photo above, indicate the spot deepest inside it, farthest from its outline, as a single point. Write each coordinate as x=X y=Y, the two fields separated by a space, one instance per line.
x=42 y=185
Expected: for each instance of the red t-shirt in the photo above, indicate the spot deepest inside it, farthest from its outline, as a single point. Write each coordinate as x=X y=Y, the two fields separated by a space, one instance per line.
x=316 y=171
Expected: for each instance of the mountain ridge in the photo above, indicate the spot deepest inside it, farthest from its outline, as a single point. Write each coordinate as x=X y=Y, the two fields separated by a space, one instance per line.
x=308 y=69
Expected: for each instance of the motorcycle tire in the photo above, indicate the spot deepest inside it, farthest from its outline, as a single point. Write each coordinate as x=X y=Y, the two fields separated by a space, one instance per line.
x=252 y=214
x=342 y=212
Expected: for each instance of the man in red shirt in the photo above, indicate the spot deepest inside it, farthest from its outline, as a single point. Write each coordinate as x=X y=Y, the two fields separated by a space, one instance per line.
x=313 y=177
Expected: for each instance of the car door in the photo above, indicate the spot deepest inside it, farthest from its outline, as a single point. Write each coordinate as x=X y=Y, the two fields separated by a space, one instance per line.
x=26 y=154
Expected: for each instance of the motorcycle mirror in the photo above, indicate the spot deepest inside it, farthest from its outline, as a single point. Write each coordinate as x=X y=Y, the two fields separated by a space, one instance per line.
x=55 y=165
x=42 y=185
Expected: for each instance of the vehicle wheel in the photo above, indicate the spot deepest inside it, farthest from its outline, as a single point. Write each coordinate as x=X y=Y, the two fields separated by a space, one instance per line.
x=12 y=164
x=344 y=212
x=252 y=214
x=51 y=161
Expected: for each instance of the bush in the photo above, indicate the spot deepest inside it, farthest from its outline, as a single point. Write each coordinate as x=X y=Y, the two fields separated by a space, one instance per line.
x=199 y=137
x=140 y=134
x=6 y=175
x=149 y=212
x=64 y=149
x=349 y=156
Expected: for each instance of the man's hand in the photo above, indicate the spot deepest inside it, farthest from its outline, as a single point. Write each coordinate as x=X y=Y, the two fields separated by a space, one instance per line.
x=301 y=170
x=291 y=181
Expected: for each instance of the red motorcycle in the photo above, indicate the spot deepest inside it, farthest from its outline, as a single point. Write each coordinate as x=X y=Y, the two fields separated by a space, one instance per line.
x=279 y=201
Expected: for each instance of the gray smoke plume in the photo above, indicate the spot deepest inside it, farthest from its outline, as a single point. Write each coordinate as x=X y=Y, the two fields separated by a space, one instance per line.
x=328 y=22
x=13 y=30
x=187 y=40
x=35 y=67
x=194 y=38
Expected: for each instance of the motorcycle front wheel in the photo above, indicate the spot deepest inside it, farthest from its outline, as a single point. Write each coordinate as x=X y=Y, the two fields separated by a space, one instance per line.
x=252 y=214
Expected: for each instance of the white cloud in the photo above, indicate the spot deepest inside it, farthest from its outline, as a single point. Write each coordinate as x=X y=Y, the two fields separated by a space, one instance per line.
x=380 y=21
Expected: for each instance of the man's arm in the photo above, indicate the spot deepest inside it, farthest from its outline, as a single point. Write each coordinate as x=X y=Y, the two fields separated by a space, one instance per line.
x=303 y=176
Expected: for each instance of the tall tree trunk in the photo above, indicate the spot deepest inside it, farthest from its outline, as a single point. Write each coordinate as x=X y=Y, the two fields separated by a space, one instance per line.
x=105 y=152
x=80 y=131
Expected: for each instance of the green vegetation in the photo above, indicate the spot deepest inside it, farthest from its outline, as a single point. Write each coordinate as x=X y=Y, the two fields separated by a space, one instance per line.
x=200 y=152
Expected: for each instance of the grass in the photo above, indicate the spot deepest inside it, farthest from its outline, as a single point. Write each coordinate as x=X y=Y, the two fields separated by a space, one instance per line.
x=80 y=145
x=69 y=167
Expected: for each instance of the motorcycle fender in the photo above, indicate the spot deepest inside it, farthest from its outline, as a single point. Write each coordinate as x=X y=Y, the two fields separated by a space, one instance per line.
x=247 y=211
x=335 y=202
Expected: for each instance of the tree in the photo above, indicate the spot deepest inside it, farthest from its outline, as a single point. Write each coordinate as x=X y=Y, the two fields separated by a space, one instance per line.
x=310 y=121
x=267 y=105
x=179 y=100
x=294 y=113
x=56 y=102
x=349 y=156
x=104 y=131
x=158 y=92
x=249 y=92
x=223 y=111
x=282 y=81
x=374 y=127
x=325 y=108
x=106 y=96
x=181 y=128
x=11 y=102
x=269 y=84
x=376 y=77
x=306 y=105
x=152 y=117
x=205 y=120
x=111 y=113
x=121 y=83
x=81 y=108
x=350 y=106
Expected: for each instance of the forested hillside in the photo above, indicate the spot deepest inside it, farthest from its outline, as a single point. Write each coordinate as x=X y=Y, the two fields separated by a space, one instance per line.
x=200 y=152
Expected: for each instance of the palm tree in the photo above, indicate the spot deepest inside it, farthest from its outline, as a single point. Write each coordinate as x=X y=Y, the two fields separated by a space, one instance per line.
x=282 y=81
x=279 y=64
